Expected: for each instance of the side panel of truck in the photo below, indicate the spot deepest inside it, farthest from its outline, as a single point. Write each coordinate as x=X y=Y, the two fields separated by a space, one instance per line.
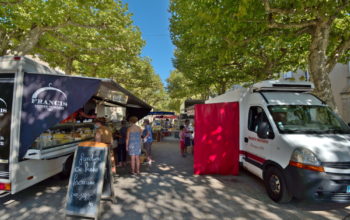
x=31 y=172
x=253 y=153
x=24 y=173
x=256 y=151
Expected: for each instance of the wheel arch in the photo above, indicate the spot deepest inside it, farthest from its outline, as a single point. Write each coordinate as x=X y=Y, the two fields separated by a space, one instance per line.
x=270 y=163
x=66 y=166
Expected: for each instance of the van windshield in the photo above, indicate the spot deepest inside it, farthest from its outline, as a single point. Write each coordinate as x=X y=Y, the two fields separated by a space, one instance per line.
x=307 y=119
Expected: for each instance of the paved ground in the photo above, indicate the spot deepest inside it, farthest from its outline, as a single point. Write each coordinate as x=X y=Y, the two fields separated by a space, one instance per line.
x=168 y=190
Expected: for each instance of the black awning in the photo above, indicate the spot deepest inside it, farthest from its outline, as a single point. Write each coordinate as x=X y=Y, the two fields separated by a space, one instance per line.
x=134 y=105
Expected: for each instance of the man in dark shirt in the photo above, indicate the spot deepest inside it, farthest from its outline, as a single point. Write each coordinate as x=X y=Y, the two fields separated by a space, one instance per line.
x=121 y=151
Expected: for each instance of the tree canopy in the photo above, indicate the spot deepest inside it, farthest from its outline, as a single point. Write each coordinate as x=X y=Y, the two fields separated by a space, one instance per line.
x=226 y=42
x=90 y=37
x=179 y=88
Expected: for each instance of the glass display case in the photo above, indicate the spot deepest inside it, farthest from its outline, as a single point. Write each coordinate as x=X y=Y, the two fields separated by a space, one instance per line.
x=60 y=139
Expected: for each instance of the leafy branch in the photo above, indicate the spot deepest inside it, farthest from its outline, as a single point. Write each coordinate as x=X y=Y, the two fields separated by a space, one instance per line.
x=335 y=56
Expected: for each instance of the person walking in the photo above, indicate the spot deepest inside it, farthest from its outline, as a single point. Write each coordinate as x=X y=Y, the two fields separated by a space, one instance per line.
x=193 y=136
x=133 y=143
x=104 y=135
x=188 y=134
x=147 y=137
x=115 y=146
x=121 y=150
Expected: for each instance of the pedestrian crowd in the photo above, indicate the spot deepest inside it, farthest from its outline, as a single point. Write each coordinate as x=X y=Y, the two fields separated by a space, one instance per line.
x=127 y=141
x=130 y=140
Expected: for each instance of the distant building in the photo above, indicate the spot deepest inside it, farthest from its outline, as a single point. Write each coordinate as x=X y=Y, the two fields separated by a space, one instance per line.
x=340 y=82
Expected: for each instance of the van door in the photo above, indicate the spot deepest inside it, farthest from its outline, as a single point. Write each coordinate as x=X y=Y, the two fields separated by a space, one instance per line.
x=6 y=97
x=257 y=150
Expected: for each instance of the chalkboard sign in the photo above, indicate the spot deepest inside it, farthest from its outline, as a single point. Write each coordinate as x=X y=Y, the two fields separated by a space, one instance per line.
x=86 y=179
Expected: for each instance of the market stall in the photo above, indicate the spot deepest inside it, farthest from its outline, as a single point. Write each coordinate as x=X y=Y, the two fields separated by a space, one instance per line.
x=163 y=124
x=46 y=114
x=53 y=136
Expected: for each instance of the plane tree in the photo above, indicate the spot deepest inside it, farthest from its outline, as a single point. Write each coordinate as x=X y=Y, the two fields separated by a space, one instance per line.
x=92 y=37
x=257 y=39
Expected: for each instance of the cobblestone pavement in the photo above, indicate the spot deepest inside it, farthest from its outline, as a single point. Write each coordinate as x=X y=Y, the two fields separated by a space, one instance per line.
x=167 y=189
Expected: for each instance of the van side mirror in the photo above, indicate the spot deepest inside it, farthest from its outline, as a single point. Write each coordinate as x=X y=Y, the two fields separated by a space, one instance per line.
x=265 y=131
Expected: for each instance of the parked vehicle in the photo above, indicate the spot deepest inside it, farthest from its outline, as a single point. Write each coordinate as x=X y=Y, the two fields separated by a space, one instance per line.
x=293 y=141
x=35 y=100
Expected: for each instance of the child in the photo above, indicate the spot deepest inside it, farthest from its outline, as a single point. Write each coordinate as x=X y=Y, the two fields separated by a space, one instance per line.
x=182 y=140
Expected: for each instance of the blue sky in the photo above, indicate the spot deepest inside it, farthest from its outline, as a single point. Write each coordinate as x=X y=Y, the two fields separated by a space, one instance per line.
x=152 y=17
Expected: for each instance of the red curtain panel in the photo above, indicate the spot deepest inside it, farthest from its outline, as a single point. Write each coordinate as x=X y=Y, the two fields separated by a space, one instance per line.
x=216 y=149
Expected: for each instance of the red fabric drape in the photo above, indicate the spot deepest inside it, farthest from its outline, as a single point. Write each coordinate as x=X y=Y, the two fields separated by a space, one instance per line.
x=216 y=141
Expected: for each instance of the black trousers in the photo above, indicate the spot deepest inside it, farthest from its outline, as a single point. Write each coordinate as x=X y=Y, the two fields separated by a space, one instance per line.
x=121 y=152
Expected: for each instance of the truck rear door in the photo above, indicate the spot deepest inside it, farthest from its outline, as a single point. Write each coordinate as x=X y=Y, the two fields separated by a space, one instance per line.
x=6 y=98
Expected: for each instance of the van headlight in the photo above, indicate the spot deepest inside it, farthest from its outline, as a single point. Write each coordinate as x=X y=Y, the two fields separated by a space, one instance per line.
x=305 y=156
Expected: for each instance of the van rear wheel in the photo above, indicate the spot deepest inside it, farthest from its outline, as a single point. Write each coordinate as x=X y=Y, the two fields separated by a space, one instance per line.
x=276 y=185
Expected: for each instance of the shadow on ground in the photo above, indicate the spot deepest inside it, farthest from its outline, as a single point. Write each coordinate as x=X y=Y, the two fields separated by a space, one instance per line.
x=168 y=190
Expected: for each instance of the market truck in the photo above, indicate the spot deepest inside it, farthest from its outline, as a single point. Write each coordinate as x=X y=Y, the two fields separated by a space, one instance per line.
x=35 y=100
x=292 y=140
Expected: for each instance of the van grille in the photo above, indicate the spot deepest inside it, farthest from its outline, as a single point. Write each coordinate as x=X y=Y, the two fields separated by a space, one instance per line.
x=347 y=182
x=337 y=165
x=340 y=196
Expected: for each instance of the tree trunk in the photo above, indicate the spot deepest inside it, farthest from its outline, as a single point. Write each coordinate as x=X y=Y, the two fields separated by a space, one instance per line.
x=29 y=42
x=4 y=45
x=318 y=63
x=220 y=87
x=94 y=72
x=69 y=65
x=223 y=87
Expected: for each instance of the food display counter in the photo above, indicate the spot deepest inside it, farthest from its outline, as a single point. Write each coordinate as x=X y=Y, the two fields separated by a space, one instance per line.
x=60 y=140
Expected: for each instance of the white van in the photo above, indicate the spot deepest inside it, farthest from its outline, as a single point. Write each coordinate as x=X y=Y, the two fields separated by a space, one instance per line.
x=293 y=141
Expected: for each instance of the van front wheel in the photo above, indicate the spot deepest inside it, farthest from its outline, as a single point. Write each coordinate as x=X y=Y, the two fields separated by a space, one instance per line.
x=276 y=186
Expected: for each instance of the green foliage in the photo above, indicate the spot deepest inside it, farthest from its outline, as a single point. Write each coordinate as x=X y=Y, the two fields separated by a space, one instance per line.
x=178 y=85
x=92 y=37
x=212 y=49
x=141 y=79
x=225 y=42
x=181 y=88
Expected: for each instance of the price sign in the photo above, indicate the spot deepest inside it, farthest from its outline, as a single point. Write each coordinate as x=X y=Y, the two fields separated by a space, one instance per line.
x=87 y=179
